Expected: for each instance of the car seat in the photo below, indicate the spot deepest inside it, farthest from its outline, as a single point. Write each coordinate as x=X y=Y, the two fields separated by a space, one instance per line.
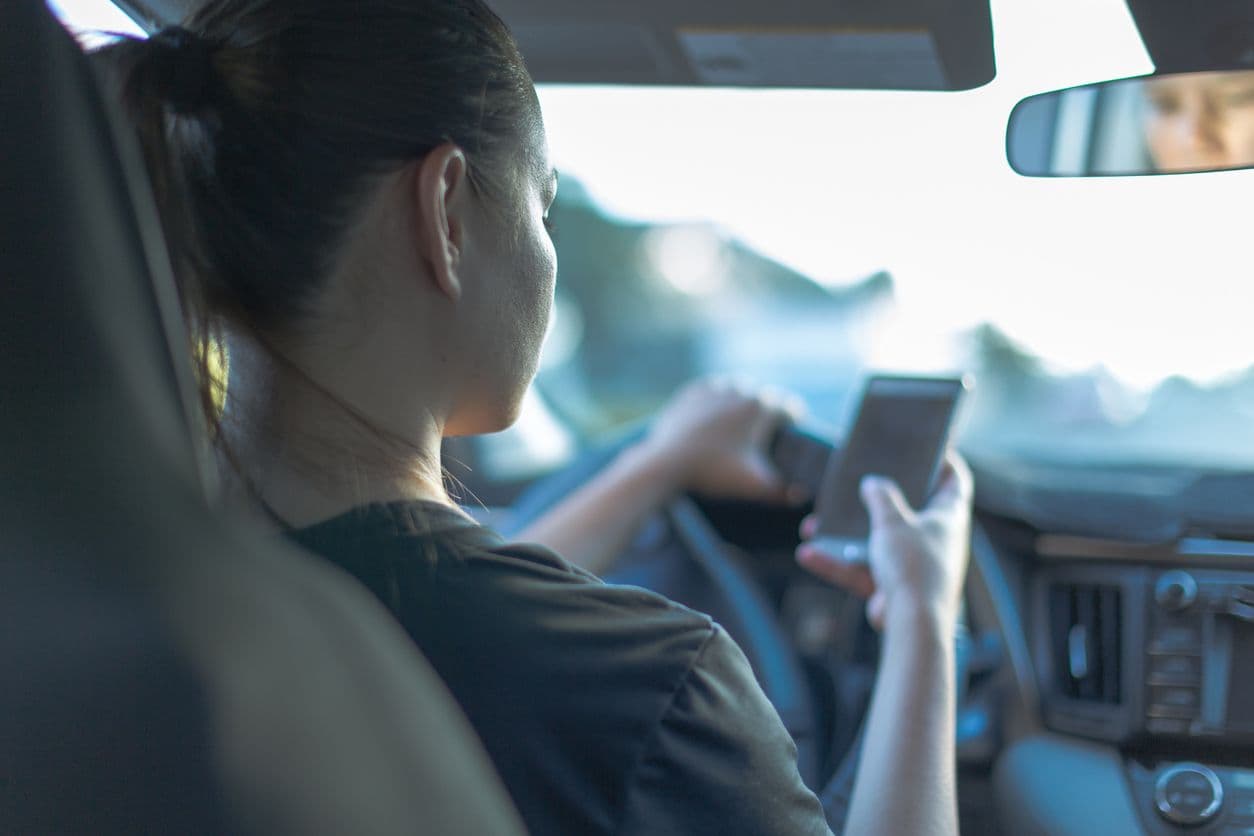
x=166 y=669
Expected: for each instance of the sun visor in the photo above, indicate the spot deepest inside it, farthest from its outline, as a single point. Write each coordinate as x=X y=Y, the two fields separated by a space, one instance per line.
x=845 y=45
x=905 y=45
x=875 y=60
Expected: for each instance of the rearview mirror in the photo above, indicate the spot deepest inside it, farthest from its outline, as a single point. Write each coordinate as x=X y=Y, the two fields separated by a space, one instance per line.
x=1156 y=124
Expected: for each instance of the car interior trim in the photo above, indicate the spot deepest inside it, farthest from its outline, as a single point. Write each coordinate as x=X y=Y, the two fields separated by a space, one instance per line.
x=991 y=599
x=1196 y=551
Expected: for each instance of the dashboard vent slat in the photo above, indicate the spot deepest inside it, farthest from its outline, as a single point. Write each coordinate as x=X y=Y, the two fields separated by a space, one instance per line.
x=1111 y=611
x=1085 y=630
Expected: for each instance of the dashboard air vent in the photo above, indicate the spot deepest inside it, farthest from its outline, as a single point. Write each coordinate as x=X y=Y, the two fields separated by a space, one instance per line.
x=1085 y=630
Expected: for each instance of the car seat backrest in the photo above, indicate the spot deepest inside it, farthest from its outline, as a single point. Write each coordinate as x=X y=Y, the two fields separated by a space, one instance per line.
x=222 y=676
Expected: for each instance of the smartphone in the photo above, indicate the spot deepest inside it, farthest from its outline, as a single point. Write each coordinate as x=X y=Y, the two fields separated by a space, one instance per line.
x=901 y=431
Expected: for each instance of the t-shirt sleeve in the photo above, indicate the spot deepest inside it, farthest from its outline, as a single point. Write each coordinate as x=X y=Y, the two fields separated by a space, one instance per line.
x=719 y=760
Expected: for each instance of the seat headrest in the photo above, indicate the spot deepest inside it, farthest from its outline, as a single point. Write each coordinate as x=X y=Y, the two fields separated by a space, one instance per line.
x=90 y=319
x=323 y=716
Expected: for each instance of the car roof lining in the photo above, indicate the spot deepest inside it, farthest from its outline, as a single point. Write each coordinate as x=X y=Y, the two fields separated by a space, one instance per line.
x=1182 y=37
x=649 y=41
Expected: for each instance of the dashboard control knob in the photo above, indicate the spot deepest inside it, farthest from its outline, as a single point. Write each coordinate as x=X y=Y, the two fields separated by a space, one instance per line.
x=1175 y=590
x=1188 y=794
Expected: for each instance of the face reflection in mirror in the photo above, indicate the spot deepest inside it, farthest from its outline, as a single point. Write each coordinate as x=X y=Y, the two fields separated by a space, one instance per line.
x=1155 y=124
x=1200 y=121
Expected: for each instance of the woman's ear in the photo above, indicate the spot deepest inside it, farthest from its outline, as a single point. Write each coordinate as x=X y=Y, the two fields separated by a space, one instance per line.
x=441 y=185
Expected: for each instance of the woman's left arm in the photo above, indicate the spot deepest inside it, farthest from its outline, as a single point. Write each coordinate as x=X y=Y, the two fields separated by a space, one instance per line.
x=711 y=438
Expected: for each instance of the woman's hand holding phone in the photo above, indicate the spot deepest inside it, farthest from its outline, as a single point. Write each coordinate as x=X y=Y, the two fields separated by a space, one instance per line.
x=917 y=560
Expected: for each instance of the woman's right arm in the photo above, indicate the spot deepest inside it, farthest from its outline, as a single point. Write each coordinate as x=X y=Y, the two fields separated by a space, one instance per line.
x=906 y=781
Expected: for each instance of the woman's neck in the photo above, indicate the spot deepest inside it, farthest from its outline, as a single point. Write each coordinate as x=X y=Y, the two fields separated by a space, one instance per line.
x=303 y=453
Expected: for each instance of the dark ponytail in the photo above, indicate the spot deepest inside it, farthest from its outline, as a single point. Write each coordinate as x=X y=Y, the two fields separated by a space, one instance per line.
x=182 y=70
x=264 y=122
x=167 y=79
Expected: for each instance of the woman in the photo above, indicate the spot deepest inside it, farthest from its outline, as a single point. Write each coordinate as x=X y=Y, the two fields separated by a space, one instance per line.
x=356 y=195
x=1200 y=121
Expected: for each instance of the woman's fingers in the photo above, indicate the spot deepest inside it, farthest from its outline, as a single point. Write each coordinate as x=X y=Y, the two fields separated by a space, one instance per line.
x=856 y=577
x=876 y=609
x=762 y=478
x=955 y=478
x=921 y=553
x=884 y=502
x=953 y=493
x=716 y=433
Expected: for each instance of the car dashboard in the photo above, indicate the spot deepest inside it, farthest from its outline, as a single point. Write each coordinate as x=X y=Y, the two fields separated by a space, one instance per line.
x=1133 y=657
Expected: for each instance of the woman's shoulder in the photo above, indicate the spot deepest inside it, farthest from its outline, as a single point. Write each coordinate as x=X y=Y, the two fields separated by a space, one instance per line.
x=539 y=595
x=594 y=700
x=654 y=703
x=436 y=568
x=566 y=679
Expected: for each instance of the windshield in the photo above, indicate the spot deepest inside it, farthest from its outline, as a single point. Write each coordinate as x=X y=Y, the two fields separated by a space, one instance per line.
x=801 y=238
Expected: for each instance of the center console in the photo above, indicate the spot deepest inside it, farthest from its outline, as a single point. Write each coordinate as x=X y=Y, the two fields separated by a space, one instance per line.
x=1194 y=796
x=1134 y=652
x=1201 y=630
x=1055 y=784
x=1153 y=651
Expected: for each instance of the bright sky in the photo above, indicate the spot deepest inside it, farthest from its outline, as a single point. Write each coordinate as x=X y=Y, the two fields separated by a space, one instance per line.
x=1147 y=276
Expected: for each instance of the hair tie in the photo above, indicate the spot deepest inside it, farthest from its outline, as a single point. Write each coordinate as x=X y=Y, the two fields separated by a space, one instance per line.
x=186 y=69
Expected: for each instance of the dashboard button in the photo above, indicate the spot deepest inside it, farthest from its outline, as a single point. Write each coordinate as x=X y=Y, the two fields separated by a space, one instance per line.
x=1174 y=712
x=1166 y=725
x=1175 y=591
x=1180 y=697
x=1172 y=668
x=1188 y=794
x=1176 y=638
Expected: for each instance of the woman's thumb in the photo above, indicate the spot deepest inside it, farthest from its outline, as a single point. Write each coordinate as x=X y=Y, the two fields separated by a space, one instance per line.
x=764 y=478
x=884 y=501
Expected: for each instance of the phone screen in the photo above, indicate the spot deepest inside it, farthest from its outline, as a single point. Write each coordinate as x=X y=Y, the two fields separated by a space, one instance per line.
x=900 y=432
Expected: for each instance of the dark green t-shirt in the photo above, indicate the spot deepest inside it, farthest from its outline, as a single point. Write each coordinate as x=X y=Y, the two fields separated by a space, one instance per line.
x=606 y=709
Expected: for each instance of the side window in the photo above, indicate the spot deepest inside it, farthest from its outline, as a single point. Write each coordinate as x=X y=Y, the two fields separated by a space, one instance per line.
x=94 y=22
